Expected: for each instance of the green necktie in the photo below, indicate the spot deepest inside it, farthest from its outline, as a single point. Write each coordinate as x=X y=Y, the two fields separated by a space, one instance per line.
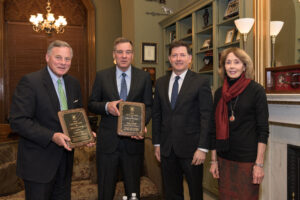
x=62 y=96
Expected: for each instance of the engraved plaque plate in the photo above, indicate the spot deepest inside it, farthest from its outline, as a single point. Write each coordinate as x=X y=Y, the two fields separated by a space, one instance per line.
x=131 y=121
x=75 y=124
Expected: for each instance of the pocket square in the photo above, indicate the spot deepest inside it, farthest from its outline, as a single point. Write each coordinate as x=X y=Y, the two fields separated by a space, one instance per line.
x=75 y=101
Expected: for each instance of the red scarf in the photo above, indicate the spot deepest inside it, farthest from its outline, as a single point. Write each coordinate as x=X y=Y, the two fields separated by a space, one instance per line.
x=221 y=115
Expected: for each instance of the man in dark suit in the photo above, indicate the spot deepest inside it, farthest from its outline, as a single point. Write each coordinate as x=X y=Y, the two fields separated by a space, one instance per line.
x=180 y=117
x=45 y=160
x=122 y=82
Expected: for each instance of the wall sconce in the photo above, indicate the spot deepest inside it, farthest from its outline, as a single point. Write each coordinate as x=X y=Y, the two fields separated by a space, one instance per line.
x=275 y=28
x=244 y=26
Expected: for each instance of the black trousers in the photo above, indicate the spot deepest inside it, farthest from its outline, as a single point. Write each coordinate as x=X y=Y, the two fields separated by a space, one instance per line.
x=173 y=169
x=59 y=188
x=108 y=165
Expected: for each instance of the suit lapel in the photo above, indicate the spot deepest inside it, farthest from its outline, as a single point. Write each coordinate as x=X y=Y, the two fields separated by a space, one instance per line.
x=165 y=86
x=114 y=81
x=68 y=92
x=184 y=88
x=133 y=83
x=48 y=84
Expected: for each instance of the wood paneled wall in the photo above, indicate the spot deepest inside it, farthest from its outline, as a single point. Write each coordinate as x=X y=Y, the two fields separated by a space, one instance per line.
x=24 y=50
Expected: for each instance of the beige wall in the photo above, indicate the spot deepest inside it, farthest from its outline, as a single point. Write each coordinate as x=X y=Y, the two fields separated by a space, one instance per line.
x=108 y=27
x=285 y=41
x=140 y=27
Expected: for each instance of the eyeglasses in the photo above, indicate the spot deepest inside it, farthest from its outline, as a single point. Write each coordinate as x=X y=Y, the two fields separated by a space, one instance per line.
x=120 y=52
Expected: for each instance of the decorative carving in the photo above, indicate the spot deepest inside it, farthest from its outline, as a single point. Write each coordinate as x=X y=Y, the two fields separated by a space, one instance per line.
x=20 y=10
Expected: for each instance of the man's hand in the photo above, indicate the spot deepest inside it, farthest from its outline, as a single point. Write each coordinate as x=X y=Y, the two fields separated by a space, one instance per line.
x=258 y=174
x=157 y=152
x=138 y=137
x=61 y=140
x=91 y=144
x=199 y=157
x=112 y=107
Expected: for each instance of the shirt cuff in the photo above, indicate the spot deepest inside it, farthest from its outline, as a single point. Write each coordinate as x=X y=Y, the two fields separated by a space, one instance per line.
x=106 y=108
x=156 y=145
x=204 y=150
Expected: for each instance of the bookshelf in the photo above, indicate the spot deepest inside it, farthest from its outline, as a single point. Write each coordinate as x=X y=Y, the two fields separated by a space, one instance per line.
x=202 y=24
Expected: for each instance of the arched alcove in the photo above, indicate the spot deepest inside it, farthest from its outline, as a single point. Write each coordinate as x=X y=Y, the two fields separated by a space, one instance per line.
x=22 y=50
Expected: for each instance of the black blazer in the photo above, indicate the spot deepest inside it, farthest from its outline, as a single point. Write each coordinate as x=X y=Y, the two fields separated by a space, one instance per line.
x=105 y=90
x=33 y=115
x=187 y=126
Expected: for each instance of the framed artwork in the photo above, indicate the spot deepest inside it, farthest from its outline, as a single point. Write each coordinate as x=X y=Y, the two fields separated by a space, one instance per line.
x=149 y=52
x=229 y=36
x=232 y=9
x=238 y=36
x=152 y=72
x=206 y=43
x=172 y=36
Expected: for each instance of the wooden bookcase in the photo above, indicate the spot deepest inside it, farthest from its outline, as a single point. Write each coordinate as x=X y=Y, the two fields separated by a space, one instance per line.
x=188 y=25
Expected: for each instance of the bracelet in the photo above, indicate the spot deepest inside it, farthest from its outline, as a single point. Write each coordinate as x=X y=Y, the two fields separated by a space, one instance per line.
x=213 y=162
x=259 y=165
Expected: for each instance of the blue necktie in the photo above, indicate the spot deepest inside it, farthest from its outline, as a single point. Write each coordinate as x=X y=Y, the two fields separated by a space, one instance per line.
x=123 y=92
x=174 y=92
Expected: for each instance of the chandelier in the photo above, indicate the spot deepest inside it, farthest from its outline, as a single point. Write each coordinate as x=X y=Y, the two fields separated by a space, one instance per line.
x=49 y=24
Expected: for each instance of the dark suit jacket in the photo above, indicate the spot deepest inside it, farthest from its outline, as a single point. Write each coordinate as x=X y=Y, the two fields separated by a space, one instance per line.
x=33 y=115
x=105 y=90
x=187 y=126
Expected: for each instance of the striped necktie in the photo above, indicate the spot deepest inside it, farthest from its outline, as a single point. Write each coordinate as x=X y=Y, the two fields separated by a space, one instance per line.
x=123 y=92
x=62 y=96
x=174 y=92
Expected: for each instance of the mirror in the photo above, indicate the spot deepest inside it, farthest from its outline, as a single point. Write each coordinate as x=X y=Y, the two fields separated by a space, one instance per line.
x=287 y=44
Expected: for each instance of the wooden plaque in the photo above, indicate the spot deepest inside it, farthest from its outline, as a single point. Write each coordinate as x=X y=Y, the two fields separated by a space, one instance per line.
x=75 y=124
x=131 y=121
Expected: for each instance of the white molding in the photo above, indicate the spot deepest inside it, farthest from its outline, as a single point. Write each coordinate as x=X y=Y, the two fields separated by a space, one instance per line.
x=283 y=97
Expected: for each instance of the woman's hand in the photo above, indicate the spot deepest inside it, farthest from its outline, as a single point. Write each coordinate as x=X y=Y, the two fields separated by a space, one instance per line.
x=214 y=169
x=258 y=174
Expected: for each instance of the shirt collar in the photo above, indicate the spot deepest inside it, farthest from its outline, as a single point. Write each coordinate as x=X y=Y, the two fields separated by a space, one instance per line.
x=53 y=76
x=182 y=75
x=127 y=72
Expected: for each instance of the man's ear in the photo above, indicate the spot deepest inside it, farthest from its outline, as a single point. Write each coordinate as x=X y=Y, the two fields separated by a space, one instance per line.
x=47 y=57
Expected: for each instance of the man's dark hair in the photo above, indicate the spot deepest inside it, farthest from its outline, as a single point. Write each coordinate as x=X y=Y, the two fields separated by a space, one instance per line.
x=180 y=43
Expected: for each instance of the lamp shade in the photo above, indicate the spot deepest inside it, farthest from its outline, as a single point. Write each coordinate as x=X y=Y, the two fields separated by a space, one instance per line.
x=275 y=27
x=244 y=25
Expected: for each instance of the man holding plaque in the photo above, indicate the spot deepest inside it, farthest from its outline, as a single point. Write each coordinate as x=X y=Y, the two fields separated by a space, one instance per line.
x=122 y=82
x=45 y=160
x=181 y=114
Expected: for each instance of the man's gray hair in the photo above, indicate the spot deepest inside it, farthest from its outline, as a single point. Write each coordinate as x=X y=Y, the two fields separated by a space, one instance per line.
x=58 y=43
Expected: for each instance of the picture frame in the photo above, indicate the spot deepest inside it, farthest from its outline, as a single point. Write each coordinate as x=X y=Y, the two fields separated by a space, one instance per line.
x=152 y=72
x=172 y=36
x=238 y=36
x=149 y=53
x=229 y=36
x=232 y=9
x=206 y=43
